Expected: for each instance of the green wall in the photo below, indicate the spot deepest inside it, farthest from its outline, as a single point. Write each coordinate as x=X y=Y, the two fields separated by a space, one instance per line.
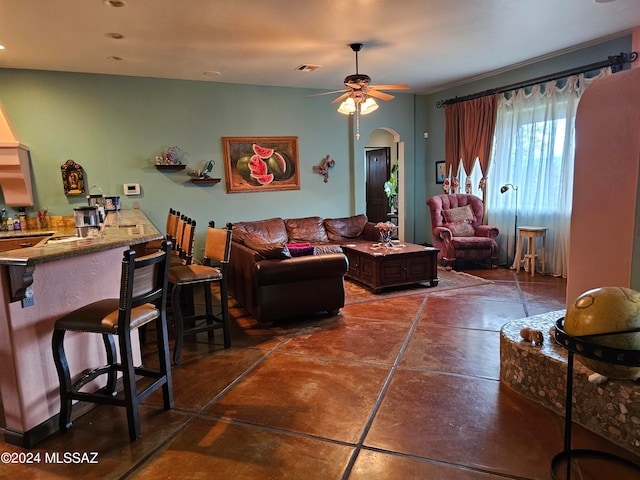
x=114 y=126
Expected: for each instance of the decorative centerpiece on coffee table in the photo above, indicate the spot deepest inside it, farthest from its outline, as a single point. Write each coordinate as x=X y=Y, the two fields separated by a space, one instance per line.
x=386 y=230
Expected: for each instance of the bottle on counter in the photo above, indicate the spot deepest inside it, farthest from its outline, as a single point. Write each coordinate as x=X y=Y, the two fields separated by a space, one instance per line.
x=22 y=215
x=10 y=223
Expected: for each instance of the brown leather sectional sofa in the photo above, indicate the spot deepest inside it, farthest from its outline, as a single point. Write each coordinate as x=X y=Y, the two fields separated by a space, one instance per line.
x=274 y=275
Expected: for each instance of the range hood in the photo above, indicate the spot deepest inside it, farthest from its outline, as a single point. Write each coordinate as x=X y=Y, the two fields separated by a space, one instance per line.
x=15 y=170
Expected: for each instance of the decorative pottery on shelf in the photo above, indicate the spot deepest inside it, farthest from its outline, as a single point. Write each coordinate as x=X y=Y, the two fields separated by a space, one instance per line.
x=170 y=160
x=202 y=176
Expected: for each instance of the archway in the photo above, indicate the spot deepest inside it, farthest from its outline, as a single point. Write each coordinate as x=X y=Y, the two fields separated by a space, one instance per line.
x=388 y=137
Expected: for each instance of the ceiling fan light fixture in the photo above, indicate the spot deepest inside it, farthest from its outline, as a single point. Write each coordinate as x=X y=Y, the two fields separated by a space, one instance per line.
x=347 y=107
x=368 y=106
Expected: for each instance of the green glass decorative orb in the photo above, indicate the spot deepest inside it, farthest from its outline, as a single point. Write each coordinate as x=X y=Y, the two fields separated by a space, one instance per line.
x=607 y=310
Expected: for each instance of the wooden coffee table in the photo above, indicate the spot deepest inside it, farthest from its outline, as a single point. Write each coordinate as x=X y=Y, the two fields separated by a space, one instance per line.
x=380 y=267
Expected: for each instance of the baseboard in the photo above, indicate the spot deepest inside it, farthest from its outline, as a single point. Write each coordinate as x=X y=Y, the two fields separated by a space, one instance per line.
x=31 y=438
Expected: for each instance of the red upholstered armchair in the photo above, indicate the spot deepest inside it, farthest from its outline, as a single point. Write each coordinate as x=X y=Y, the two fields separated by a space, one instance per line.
x=456 y=220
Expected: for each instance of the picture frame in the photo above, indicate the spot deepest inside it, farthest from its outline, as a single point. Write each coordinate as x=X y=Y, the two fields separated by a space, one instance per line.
x=261 y=164
x=441 y=172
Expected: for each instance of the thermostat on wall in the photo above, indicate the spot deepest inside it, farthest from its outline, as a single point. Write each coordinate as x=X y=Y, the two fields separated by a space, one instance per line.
x=132 y=189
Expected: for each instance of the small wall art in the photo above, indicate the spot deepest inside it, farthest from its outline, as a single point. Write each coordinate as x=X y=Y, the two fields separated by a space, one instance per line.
x=441 y=172
x=324 y=166
x=261 y=164
x=72 y=178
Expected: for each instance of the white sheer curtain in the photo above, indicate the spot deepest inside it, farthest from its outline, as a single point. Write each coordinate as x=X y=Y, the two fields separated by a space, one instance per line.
x=534 y=150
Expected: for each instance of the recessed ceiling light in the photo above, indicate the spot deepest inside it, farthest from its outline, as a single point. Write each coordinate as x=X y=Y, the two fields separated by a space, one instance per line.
x=114 y=3
x=114 y=57
x=1 y=47
x=114 y=35
x=212 y=73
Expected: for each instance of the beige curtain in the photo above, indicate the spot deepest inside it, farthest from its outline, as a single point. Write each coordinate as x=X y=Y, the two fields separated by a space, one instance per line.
x=469 y=128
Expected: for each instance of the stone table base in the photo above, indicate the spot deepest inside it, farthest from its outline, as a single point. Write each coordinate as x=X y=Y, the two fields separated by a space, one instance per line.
x=539 y=372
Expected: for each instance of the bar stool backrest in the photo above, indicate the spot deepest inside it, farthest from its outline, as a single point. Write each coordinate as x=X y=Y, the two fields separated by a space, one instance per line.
x=172 y=225
x=180 y=232
x=143 y=281
x=187 y=241
x=218 y=244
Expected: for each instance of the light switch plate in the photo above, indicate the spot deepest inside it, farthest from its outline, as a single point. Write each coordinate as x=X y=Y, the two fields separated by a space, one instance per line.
x=132 y=189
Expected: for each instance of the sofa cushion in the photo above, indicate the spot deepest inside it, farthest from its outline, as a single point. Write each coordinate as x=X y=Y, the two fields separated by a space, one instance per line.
x=473 y=243
x=323 y=249
x=458 y=214
x=341 y=229
x=269 y=250
x=308 y=229
x=273 y=230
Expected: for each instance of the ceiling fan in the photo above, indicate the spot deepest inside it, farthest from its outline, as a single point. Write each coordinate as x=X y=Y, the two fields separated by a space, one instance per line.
x=358 y=97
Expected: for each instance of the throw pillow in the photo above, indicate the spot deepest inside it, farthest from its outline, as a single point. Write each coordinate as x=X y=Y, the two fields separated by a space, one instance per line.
x=458 y=214
x=269 y=250
x=460 y=229
x=301 y=251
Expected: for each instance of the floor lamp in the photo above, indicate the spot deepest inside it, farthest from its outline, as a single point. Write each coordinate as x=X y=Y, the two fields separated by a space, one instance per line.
x=503 y=189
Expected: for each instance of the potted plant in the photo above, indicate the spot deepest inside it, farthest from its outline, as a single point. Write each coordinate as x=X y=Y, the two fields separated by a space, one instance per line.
x=391 y=188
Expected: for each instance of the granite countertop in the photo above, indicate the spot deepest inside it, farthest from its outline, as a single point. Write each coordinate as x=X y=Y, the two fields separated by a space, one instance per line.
x=120 y=229
x=33 y=232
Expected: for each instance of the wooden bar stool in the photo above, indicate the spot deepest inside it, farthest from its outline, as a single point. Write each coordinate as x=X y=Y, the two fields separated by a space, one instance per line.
x=143 y=297
x=183 y=241
x=216 y=260
x=530 y=234
x=170 y=233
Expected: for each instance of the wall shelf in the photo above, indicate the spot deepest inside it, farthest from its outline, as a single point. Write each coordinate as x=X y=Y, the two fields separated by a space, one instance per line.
x=205 y=181
x=171 y=167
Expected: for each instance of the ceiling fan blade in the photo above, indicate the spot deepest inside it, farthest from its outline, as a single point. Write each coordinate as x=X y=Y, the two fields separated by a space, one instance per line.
x=397 y=86
x=341 y=97
x=328 y=93
x=380 y=95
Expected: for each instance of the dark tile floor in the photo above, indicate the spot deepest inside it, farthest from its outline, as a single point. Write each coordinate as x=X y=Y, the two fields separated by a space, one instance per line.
x=393 y=388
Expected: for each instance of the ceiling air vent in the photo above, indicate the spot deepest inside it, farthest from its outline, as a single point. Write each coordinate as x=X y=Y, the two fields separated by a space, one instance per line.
x=305 y=67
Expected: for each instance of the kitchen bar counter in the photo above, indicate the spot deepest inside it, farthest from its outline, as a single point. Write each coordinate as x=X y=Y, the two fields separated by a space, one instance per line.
x=123 y=228
x=39 y=285
x=126 y=228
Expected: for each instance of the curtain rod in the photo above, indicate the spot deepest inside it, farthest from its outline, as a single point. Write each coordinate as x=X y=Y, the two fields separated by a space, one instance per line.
x=616 y=62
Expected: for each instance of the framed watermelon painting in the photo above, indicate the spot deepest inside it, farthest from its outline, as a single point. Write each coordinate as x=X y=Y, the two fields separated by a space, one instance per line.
x=260 y=164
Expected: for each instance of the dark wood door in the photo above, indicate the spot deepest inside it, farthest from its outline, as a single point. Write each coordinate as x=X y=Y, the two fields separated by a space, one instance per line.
x=378 y=171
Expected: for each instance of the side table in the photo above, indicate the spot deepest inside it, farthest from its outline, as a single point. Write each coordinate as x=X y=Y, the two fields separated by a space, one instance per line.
x=586 y=347
x=530 y=234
